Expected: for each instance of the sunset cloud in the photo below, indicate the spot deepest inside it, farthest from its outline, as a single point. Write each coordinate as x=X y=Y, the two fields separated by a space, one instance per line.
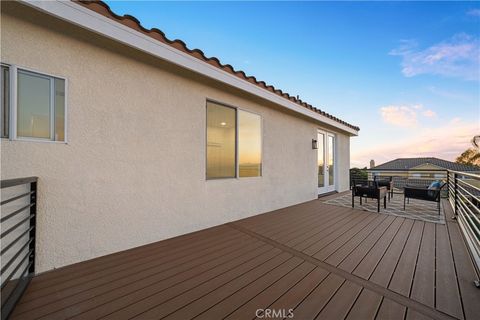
x=457 y=57
x=401 y=116
x=446 y=141
x=429 y=114
x=405 y=115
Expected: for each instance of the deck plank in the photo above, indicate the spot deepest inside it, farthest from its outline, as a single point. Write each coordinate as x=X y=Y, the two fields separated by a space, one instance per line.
x=423 y=289
x=319 y=260
x=341 y=303
x=447 y=294
x=366 y=306
x=271 y=294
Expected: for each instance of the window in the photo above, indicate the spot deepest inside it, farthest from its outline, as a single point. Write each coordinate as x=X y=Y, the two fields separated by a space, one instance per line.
x=5 y=114
x=221 y=132
x=40 y=106
x=249 y=144
x=233 y=140
x=38 y=112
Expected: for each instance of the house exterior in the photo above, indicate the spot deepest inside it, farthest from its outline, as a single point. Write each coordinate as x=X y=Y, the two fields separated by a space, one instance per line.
x=136 y=138
x=418 y=170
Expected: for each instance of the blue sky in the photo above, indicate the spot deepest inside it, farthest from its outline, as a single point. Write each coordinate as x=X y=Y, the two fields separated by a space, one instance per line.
x=407 y=73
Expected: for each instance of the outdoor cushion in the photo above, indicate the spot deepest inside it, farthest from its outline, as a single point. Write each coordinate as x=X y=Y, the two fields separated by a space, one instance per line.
x=434 y=185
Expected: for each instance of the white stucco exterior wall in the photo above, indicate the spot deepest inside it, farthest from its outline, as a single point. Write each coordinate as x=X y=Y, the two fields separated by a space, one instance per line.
x=133 y=170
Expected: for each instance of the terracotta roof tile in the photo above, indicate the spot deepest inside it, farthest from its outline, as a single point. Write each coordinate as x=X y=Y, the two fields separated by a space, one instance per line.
x=132 y=22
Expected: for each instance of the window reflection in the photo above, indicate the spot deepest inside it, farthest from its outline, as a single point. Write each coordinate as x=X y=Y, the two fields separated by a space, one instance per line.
x=249 y=144
x=331 y=149
x=321 y=153
x=220 y=141
x=33 y=113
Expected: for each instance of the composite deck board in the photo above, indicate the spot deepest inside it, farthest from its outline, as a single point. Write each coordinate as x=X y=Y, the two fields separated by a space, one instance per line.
x=423 y=289
x=298 y=293
x=361 y=253
x=72 y=271
x=161 y=253
x=271 y=294
x=261 y=285
x=370 y=261
x=294 y=230
x=175 y=297
x=343 y=237
x=142 y=280
x=447 y=294
x=464 y=268
x=366 y=306
x=369 y=233
x=321 y=241
x=317 y=238
x=390 y=310
x=341 y=303
x=402 y=277
x=318 y=298
x=282 y=262
x=388 y=261
x=92 y=280
x=316 y=229
x=321 y=261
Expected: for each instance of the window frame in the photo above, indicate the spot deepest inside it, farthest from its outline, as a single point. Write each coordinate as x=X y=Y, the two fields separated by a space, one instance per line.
x=13 y=106
x=237 y=167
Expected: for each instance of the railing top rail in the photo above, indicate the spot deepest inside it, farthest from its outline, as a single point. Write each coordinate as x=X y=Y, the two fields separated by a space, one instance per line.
x=463 y=173
x=16 y=182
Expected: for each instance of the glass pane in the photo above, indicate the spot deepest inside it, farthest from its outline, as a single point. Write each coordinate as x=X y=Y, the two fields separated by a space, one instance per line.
x=33 y=106
x=249 y=144
x=331 y=167
x=220 y=141
x=59 y=110
x=321 y=161
x=5 y=92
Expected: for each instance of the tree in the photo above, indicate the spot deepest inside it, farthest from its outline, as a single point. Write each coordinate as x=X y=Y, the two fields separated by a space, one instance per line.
x=470 y=156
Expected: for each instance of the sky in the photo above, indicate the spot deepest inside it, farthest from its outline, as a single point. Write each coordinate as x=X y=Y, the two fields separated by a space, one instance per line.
x=406 y=73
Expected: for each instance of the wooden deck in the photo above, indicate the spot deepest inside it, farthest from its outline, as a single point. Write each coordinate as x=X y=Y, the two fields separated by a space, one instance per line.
x=322 y=261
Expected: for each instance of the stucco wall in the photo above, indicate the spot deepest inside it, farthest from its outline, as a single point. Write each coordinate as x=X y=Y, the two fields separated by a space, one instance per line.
x=133 y=171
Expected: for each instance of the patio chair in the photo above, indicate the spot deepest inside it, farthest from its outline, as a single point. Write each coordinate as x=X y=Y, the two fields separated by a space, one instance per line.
x=385 y=182
x=423 y=193
x=369 y=190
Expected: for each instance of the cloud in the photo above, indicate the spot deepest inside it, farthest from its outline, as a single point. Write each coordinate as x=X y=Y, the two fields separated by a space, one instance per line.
x=404 y=115
x=429 y=113
x=474 y=12
x=457 y=57
x=446 y=141
x=401 y=116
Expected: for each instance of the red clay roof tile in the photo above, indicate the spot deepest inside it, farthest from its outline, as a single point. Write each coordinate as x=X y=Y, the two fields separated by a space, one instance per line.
x=132 y=22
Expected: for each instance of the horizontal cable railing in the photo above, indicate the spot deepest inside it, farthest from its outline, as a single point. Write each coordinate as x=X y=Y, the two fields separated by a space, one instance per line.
x=18 y=225
x=464 y=196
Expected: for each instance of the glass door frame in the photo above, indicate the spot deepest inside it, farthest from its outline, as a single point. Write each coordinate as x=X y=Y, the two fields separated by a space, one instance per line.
x=326 y=156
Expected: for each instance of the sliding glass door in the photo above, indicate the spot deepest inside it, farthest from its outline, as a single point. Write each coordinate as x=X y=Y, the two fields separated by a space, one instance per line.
x=326 y=162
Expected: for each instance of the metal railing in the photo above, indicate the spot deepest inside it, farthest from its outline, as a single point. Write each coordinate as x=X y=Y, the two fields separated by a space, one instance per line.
x=18 y=226
x=464 y=196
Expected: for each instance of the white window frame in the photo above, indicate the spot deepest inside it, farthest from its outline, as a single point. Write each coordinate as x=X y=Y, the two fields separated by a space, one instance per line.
x=237 y=153
x=13 y=107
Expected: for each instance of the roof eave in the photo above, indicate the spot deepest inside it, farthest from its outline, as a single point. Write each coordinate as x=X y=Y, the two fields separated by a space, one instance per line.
x=85 y=18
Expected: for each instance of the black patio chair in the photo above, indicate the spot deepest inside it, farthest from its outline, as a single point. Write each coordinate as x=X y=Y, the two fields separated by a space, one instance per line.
x=422 y=193
x=385 y=182
x=369 y=189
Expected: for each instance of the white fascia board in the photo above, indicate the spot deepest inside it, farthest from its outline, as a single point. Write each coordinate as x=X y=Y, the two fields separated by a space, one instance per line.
x=95 y=22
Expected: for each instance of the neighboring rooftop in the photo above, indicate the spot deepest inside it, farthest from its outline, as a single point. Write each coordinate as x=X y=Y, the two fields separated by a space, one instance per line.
x=132 y=22
x=410 y=163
